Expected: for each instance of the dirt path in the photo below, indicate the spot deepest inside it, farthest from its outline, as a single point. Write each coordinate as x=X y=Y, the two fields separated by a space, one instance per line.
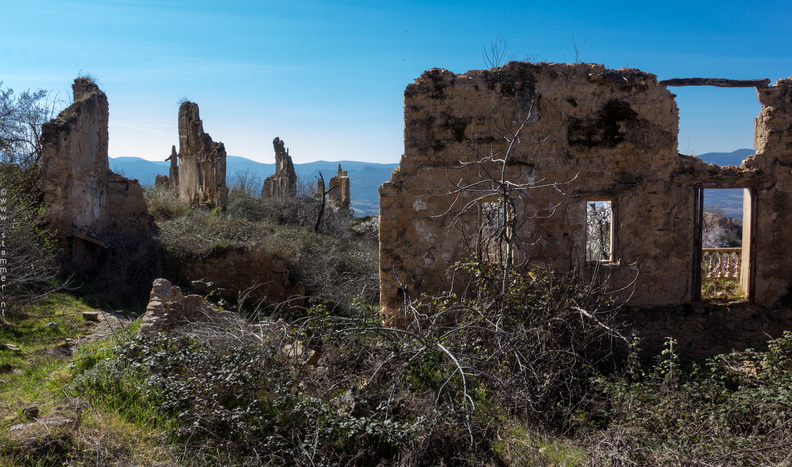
x=105 y=324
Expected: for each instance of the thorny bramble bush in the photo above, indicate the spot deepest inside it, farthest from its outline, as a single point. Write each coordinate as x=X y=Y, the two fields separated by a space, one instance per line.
x=232 y=397
x=733 y=409
x=346 y=390
x=535 y=348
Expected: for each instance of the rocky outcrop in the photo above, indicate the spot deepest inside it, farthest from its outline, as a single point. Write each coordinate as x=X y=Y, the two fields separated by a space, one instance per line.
x=283 y=183
x=201 y=175
x=339 y=190
x=83 y=198
x=169 y=308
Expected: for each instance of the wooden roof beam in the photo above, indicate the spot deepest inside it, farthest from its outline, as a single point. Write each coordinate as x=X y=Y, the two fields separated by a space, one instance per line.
x=719 y=82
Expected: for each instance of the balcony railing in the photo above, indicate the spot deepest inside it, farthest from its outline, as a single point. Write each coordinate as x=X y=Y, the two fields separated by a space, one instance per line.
x=721 y=263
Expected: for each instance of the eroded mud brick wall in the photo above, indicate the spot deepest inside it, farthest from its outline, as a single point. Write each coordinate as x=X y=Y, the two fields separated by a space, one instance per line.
x=283 y=183
x=601 y=134
x=82 y=196
x=772 y=219
x=202 y=162
x=339 y=189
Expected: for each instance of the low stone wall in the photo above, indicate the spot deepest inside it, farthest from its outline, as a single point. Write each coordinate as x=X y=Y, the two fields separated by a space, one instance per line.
x=707 y=330
x=251 y=272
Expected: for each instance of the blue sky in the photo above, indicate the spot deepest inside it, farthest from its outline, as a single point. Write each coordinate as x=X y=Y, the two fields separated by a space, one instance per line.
x=328 y=77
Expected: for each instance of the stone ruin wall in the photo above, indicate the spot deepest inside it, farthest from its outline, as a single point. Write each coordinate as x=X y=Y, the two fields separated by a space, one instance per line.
x=265 y=277
x=339 y=190
x=201 y=177
x=603 y=131
x=606 y=135
x=83 y=198
x=283 y=183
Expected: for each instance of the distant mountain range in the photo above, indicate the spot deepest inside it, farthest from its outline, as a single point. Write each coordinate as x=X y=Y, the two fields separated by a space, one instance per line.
x=727 y=158
x=366 y=177
x=728 y=201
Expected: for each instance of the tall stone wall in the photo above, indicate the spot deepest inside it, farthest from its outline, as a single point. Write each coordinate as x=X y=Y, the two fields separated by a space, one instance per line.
x=283 y=183
x=772 y=216
x=201 y=176
x=574 y=134
x=599 y=133
x=83 y=198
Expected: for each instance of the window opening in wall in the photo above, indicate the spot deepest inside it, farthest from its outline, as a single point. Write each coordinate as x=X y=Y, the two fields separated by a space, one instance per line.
x=599 y=231
x=716 y=123
x=725 y=231
x=494 y=231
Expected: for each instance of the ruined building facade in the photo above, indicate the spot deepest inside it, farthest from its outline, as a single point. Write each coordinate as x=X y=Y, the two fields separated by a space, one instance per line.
x=201 y=172
x=86 y=202
x=567 y=137
x=283 y=183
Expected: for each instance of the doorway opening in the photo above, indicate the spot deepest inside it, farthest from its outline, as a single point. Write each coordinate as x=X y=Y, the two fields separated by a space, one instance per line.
x=724 y=225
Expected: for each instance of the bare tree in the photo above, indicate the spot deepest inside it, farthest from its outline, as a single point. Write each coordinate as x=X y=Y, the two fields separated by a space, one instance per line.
x=578 y=48
x=493 y=57
x=505 y=205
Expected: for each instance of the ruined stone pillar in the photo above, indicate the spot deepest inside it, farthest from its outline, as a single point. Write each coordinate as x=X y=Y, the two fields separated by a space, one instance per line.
x=283 y=183
x=202 y=162
x=339 y=190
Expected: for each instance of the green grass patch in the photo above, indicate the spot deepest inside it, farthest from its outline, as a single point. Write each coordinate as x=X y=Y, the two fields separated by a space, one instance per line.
x=721 y=290
x=38 y=335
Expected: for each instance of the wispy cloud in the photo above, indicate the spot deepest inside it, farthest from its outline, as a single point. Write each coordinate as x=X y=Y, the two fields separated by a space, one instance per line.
x=147 y=128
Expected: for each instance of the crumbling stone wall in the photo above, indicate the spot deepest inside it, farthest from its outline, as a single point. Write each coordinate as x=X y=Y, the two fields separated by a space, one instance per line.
x=83 y=198
x=339 y=190
x=772 y=252
x=705 y=329
x=201 y=176
x=169 y=309
x=283 y=183
x=588 y=133
x=258 y=274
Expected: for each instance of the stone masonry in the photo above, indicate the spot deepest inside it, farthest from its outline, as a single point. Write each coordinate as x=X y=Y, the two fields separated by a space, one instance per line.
x=573 y=134
x=283 y=183
x=169 y=309
x=252 y=273
x=201 y=176
x=339 y=190
x=84 y=200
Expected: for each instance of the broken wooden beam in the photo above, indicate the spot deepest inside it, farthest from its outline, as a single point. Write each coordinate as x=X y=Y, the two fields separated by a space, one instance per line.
x=720 y=82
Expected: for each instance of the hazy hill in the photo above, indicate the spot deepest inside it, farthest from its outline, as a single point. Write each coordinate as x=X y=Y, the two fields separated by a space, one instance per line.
x=727 y=158
x=729 y=201
x=364 y=177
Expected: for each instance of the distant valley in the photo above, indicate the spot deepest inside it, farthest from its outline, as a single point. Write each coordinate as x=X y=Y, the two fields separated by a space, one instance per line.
x=366 y=177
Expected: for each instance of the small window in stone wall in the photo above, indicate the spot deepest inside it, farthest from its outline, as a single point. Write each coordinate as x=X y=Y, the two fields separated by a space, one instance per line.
x=494 y=232
x=599 y=231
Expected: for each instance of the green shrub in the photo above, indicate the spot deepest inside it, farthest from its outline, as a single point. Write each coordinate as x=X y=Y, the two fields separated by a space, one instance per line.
x=735 y=409
x=164 y=203
x=331 y=268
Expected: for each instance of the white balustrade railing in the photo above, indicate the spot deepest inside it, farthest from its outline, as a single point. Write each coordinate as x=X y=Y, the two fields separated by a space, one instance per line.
x=721 y=263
